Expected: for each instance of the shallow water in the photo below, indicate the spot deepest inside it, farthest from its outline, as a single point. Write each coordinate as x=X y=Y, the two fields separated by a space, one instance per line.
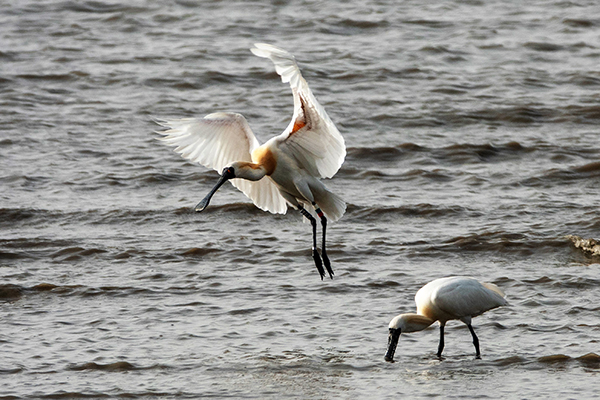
x=472 y=150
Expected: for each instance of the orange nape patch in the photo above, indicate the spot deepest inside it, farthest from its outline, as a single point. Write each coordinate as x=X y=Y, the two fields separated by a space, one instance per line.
x=298 y=125
x=264 y=157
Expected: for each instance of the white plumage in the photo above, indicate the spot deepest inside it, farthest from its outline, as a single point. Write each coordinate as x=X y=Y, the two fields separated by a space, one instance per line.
x=320 y=149
x=286 y=170
x=442 y=300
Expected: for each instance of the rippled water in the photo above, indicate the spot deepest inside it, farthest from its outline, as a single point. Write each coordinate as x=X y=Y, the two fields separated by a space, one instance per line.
x=472 y=150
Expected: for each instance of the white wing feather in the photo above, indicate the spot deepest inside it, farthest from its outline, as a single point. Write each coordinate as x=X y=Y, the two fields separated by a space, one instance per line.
x=263 y=193
x=318 y=147
x=463 y=296
x=218 y=140
x=214 y=141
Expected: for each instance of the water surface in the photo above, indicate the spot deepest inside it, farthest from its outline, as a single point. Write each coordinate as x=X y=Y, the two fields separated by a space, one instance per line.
x=473 y=149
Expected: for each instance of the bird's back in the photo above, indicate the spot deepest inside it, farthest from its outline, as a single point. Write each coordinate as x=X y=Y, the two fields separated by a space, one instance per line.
x=457 y=297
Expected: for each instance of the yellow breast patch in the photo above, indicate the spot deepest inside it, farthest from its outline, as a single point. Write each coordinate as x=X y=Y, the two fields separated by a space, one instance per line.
x=264 y=157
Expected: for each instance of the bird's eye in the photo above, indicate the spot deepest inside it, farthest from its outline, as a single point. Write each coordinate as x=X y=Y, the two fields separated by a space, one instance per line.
x=229 y=172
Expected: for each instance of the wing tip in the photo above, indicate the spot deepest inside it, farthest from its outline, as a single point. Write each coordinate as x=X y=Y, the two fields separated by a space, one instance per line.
x=260 y=50
x=266 y=50
x=160 y=121
x=266 y=47
x=163 y=123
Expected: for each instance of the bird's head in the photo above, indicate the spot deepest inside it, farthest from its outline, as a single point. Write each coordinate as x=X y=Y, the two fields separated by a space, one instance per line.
x=395 y=329
x=404 y=323
x=227 y=174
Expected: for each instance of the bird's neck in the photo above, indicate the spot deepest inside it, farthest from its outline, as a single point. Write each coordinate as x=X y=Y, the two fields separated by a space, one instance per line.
x=250 y=171
x=415 y=322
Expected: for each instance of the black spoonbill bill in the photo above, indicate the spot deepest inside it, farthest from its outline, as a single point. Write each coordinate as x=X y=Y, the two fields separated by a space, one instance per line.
x=442 y=300
x=284 y=170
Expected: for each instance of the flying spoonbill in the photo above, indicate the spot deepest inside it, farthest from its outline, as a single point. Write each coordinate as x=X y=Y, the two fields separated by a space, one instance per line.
x=283 y=171
x=443 y=300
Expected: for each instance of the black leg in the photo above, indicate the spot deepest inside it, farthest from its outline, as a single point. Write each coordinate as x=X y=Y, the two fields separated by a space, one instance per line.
x=315 y=253
x=323 y=249
x=441 y=345
x=475 y=341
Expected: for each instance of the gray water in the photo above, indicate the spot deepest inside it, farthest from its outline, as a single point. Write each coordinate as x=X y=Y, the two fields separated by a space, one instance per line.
x=473 y=149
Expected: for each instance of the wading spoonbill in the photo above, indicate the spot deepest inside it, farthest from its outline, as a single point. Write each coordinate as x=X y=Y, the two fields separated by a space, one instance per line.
x=286 y=170
x=443 y=300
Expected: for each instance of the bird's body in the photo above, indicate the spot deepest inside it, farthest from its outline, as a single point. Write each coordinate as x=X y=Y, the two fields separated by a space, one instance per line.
x=286 y=170
x=295 y=183
x=442 y=300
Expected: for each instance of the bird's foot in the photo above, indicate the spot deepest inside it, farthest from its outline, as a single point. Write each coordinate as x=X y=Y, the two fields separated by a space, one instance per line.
x=327 y=263
x=318 y=263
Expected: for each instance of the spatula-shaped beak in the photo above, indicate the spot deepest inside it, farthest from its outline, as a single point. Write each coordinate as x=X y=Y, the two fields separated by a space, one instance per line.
x=228 y=173
x=393 y=338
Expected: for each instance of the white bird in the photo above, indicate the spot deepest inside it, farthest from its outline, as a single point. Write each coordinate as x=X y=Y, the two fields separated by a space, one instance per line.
x=283 y=171
x=443 y=300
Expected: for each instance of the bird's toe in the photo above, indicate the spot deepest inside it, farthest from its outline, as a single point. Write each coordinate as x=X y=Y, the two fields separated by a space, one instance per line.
x=318 y=263
x=327 y=264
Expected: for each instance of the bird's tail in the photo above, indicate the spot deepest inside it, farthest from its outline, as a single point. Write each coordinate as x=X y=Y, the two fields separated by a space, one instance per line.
x=498 y=291
x=331 y=204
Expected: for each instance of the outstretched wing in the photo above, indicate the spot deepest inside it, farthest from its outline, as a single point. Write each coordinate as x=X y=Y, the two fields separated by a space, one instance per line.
x=218 y=140
x=311 y=137
x=214 y=141
x=263 y=193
